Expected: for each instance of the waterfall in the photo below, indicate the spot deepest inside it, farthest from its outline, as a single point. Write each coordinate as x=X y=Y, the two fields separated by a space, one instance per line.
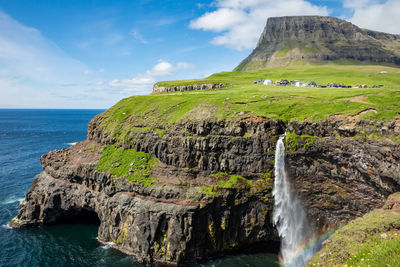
x=289 y=215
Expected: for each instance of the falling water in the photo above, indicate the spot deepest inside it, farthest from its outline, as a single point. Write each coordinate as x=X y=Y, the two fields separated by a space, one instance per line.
x=289 y=215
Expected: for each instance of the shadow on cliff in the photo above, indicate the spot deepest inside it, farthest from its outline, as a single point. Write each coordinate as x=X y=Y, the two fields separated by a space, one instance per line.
x=81 y=217
x=75 y=216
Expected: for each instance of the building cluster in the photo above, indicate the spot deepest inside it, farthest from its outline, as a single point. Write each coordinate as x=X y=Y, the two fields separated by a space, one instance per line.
x=298 y=83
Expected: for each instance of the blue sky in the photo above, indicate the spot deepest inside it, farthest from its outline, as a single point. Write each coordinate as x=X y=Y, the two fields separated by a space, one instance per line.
x=90 y=54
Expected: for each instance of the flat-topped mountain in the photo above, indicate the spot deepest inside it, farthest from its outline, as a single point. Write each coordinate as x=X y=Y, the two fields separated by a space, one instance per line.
x=317 y=38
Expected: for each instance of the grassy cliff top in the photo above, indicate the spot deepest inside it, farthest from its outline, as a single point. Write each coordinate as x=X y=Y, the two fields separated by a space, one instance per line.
x=243 y=98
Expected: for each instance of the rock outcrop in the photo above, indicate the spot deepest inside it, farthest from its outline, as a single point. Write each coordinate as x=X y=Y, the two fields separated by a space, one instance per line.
x=317 y=38
x=190 y=212
x=183 y=88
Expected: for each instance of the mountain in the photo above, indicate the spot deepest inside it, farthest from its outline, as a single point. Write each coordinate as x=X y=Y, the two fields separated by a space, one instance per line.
x=317 y=39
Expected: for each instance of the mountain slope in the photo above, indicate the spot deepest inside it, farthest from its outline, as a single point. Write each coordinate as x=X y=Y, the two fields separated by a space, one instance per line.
x=316 y=39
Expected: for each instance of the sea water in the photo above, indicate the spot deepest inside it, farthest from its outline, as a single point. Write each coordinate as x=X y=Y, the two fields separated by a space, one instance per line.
x=24 y=136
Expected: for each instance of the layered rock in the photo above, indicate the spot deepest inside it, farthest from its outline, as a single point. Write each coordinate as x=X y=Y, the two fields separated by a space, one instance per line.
x=317 y=38
x=163 y=223
x=190 y=87
x=185 y=216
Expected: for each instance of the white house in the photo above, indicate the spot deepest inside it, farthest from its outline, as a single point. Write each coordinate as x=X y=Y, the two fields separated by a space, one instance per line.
x=268 y=82
x=299 y=84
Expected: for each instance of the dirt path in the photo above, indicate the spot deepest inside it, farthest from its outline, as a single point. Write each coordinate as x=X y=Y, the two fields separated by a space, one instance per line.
x=362 y=112
x=359 y=99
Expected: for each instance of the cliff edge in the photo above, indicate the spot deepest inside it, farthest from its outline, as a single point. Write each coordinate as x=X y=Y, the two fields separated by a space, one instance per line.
x=198 y=189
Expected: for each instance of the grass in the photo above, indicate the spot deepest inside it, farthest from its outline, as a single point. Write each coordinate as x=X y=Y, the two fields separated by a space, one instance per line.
x=284 y=103
x=226 y=180
x=378 y=252
x=135 y=166
x=372 y=240
x=294 y=141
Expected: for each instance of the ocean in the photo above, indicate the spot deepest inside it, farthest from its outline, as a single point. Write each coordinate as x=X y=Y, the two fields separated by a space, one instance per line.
x=25 y=135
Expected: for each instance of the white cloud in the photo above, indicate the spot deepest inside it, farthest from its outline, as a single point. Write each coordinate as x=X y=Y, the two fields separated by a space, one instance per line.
x=359 y=3
x=162 y=68
x=137 y=36
x=138 y=84
x=375 y=15
x=142 y=83
x=240 y=22
x=219 y=20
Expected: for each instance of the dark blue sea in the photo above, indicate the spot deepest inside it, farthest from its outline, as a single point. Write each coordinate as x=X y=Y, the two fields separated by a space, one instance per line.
x=24 y=136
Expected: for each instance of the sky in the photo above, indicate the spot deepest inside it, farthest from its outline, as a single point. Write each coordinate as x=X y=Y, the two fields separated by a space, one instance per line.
x=91 y=54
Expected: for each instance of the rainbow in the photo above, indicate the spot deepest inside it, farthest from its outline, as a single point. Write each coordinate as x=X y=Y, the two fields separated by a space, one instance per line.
x=308 y=249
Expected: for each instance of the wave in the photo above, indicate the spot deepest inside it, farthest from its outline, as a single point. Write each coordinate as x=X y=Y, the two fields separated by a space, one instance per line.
x=6 y=226
x=11 y=200
x=71 y=144
x=108 y=245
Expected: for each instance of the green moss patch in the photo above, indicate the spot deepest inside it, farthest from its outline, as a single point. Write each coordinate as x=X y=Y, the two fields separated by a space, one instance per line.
x=294 y=141
x=130 y=164
x=226 y=180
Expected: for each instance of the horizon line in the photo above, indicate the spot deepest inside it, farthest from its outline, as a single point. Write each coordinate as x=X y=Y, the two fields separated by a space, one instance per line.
x=53 y=108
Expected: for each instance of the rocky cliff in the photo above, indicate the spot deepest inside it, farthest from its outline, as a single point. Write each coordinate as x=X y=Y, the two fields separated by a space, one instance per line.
x=316 y=39
x=190 y=87
x=208 y=188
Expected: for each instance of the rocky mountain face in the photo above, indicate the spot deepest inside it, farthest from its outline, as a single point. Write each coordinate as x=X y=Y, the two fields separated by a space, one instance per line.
x=317 y=39
x=187 y=215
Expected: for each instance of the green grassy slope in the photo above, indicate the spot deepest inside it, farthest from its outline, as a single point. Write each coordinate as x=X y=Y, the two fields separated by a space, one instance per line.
x=243 y=98
x=372 y=240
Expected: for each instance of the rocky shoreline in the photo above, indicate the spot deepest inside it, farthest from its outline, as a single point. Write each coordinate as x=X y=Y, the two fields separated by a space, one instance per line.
x=187 y=215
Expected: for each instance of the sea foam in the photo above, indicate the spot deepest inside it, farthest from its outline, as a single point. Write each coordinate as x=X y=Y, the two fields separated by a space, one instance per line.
x=6 y=226
x=11 y=200
x=71 y=144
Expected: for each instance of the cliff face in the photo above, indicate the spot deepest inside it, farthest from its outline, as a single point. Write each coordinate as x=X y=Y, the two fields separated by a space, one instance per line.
x=316 y=39
x=192 y=211
x=166 y=224
x=184 y=88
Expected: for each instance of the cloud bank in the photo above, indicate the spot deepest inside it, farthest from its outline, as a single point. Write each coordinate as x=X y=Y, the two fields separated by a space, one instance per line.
x=375 y=15
x=241 y=22
x=142 y=83
x=36 y=73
